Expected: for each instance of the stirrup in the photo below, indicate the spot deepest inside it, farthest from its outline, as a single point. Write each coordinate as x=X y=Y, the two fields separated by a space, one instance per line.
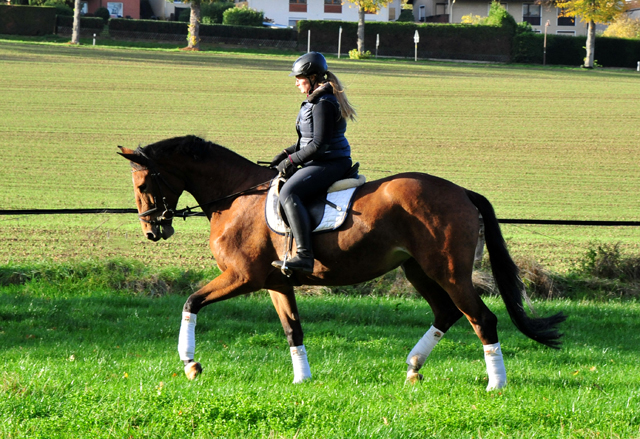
x=288 y=246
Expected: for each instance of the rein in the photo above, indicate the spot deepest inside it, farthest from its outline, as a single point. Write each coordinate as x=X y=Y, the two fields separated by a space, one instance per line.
x=186 y=212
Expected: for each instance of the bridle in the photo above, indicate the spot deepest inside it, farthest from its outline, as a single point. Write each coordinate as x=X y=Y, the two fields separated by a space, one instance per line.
x=168 y=214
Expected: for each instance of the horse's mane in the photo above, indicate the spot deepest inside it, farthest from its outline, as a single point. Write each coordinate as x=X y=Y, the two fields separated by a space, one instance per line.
x=190 y=146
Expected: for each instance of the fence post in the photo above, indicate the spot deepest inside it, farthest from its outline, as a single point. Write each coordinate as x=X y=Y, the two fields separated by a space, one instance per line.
x=309 y=41
x=416 y=39
x=377 y=44
x=339 y=41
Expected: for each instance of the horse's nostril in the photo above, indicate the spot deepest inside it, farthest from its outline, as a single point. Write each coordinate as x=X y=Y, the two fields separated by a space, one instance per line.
x=151 y=236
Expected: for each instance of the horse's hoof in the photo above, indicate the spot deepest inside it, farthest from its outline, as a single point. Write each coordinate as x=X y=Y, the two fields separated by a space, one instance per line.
x=414 y=377
x=496 y=386
x=300 y=380
x=192 y=370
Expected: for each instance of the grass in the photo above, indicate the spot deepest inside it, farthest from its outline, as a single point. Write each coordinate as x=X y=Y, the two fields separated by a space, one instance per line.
x=516 y=134
x=82 y=360
x=89 y=330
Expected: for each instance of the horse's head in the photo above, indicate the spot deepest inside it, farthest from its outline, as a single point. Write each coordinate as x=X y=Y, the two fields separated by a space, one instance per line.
x=156 y=196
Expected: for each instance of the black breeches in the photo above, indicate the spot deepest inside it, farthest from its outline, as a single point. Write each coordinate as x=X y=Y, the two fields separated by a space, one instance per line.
x=314 y=178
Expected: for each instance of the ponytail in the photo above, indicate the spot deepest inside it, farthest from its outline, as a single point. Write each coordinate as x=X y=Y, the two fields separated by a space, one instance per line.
x=347 y=110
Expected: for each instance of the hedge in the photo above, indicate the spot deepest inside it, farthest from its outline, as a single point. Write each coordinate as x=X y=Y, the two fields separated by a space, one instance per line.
x=27 y=20
x=568 y=50
x=206 y=30
x=448 y=41
x=95 y=24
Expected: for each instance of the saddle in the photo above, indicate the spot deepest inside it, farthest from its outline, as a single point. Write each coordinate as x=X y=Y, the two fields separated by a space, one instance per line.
x=327 y=212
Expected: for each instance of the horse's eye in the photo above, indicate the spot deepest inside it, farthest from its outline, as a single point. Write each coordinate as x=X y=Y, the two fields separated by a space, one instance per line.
x=142 y=188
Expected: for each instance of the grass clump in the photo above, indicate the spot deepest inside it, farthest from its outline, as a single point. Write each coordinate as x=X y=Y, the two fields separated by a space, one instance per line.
x=115 y=274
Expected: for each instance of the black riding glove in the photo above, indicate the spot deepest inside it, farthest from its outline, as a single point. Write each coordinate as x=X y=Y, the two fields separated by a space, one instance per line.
x=283 y=155
x=286 y=168
x=278 y=158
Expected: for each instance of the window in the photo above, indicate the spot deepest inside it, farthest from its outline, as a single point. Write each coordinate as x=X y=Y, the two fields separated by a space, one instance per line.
x=293 y=22
x=422 y=13
x=333 y=6
x=116 y=9
x=570 y=33
x=564 y=19
x=531 y=14
x=297 y=5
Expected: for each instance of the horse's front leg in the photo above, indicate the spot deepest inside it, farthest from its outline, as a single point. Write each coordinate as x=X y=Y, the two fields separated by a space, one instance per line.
x=229 y=284
x=285 y=303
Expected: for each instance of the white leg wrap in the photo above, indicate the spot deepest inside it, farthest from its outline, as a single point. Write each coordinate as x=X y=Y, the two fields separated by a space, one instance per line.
x=301 y=370
x=423 y=348
x=187 y=337
x=495 y=366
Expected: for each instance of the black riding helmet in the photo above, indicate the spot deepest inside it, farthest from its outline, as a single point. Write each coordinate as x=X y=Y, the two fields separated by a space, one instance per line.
x=309 y=64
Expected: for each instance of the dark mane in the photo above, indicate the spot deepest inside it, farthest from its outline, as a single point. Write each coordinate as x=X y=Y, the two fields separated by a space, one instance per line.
x=190 y=146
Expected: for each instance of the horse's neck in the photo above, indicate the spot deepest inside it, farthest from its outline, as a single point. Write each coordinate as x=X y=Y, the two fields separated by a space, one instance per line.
x=210 y=181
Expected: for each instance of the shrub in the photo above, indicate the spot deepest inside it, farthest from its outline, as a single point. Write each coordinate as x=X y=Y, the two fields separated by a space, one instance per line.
x=243 y=16
x=406 y=15
x=623 y=27
x=607 y=261
x=498 y=16
x=103 y=13
x=356 y=54
x=61 y=7
x=212 y=13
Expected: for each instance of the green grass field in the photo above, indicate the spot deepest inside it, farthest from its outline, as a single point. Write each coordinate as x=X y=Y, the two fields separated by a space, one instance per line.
x=94 y=362
x=554 y=143
x=88 y=333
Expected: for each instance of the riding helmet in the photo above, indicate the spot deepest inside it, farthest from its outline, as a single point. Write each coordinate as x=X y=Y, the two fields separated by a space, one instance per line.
x=309 y=64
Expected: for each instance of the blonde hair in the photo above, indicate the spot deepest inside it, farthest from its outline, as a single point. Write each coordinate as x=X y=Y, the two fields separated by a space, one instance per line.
x=346 y=109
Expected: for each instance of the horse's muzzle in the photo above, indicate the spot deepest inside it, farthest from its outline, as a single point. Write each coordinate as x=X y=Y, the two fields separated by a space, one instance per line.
x=157 y=232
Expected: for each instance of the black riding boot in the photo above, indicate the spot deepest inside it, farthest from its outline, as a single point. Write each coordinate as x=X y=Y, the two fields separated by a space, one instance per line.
x=300 y=224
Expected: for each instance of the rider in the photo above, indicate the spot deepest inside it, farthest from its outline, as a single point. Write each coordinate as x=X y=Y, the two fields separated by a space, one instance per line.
x=322 y=150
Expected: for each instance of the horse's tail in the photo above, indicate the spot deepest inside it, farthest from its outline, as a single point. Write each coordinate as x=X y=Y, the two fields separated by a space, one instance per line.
x=507 y=276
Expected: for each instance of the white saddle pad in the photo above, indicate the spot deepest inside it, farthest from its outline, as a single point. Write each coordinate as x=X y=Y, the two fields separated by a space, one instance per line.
x=339 y=194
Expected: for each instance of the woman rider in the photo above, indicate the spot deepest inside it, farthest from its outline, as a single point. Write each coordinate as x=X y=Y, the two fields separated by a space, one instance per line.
x=322 y=150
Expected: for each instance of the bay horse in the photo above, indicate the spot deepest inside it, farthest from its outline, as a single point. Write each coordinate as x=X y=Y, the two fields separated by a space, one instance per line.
x=422 y=223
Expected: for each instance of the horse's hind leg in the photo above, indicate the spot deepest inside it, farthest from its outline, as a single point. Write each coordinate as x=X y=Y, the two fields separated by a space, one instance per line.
x=285 y=303
x=448 y=306
x=445 y=315
x=485 y=325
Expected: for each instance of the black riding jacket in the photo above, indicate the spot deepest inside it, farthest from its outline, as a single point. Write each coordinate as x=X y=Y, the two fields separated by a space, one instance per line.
x=321 y=128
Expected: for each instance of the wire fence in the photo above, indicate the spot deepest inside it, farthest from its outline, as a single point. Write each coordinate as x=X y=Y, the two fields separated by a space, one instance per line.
x=21 y=212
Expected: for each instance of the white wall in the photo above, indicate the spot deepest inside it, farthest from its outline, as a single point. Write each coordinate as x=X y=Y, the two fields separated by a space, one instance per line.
x=278 y=11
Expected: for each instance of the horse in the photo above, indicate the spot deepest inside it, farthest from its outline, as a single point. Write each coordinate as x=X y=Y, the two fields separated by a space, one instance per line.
x=425 y=224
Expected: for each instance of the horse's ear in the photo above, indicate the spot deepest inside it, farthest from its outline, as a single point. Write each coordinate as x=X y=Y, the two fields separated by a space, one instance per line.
x=130 y=155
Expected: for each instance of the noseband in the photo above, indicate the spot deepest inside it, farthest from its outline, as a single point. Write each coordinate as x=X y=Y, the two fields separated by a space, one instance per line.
x=168 y=214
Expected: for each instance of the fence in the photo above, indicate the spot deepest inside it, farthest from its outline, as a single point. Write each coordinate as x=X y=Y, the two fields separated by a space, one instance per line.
x=21 y=212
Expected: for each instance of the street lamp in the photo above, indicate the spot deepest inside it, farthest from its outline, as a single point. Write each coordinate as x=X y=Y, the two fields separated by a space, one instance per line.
x=544 y=51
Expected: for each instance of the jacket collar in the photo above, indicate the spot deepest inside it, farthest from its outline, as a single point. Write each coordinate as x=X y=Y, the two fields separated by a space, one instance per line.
x=323 y=90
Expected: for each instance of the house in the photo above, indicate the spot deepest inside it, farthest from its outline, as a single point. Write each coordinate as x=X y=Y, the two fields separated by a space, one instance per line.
x=117 y=9
x=289 y=12
x=539 y=16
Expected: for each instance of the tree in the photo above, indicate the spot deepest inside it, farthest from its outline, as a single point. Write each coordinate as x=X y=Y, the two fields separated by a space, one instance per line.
x=193 y=37
x=365 y=6
x=75 y=34
x=624 y=27
x=592 y=11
